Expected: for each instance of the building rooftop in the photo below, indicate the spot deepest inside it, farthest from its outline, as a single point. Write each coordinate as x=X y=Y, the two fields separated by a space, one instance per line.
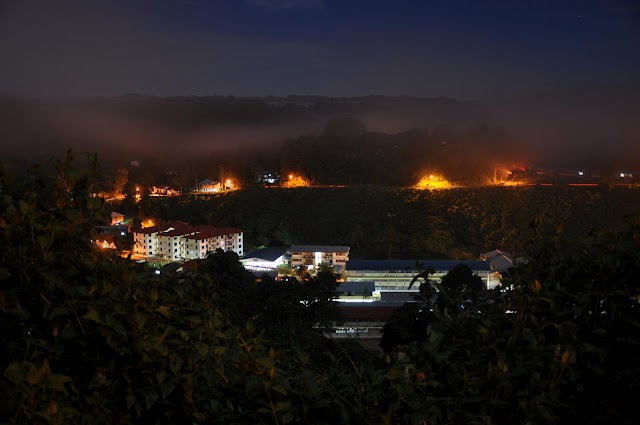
x=271 y=253
x=498 y=260
x=208 y=182
x=180 y=228
x=162 y=227
x=206 y=232
x=319 y=248
x=415 y=265
x=179 y=232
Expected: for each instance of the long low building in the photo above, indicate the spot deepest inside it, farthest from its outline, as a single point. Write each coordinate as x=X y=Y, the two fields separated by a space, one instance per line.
x=181 y=241
x=396 y=275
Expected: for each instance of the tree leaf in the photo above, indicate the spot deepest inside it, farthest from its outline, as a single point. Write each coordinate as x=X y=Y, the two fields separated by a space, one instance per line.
x=150 y=397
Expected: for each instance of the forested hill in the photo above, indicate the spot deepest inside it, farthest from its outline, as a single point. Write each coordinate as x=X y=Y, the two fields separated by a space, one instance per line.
x=381 y=223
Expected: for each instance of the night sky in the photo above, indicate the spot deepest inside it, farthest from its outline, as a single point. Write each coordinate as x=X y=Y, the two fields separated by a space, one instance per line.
x=466 y=49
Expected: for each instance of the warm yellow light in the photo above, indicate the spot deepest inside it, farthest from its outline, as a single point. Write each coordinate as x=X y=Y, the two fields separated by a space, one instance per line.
x=513 y=183
x=296 y=180
x=148 y=223
x=228 y=181
x=499 y=175
x=433 y=181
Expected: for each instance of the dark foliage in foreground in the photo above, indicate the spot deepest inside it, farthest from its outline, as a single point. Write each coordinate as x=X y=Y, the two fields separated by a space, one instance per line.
x=561 y=346
x=89 y=338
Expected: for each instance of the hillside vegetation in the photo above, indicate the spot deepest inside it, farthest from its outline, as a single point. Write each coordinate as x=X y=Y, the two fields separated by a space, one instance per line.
x=405 y=223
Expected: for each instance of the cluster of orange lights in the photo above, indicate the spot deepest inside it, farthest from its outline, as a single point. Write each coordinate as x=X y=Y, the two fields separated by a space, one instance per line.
x=433 y=181
x=502 y=177
x=148 y=223
x=295 y=180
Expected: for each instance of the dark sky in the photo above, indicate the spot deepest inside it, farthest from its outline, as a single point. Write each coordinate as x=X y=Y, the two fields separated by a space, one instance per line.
x=466 y=49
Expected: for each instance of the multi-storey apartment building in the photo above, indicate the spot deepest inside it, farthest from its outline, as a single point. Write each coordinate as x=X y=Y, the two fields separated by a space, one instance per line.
x=145 y=240
x=181 y=241
x=208 y=238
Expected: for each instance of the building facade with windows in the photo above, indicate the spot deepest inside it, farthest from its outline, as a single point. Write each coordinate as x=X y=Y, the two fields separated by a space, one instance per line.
x=163 y=190
x=182 y=241
x=312 y=256
x=396 y=275
x=145 y=240
x=116 y=218
x=208 y=185
x=209 y=238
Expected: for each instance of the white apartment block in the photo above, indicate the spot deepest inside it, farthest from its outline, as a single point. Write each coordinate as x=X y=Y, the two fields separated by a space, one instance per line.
x=145 y=240
x=197 y=244
x=181 y=241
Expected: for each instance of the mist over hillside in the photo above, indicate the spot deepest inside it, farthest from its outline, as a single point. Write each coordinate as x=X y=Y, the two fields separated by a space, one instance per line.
x=586 y=127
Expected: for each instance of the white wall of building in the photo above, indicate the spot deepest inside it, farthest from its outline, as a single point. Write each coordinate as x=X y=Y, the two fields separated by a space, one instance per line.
x=175 y=245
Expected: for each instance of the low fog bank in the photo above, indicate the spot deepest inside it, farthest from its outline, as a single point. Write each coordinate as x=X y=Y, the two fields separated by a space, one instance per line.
x=587 y=127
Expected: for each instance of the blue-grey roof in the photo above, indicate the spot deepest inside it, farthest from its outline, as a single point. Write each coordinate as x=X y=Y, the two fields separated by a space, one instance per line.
x=271 y=253
x=415 y=265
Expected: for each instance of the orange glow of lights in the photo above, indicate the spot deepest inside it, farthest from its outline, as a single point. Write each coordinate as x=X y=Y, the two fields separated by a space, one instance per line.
x=500 y=176
x=148 y=223
x=433 y=181
x=296 y=180
x=230 y=184
x=512 y=183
